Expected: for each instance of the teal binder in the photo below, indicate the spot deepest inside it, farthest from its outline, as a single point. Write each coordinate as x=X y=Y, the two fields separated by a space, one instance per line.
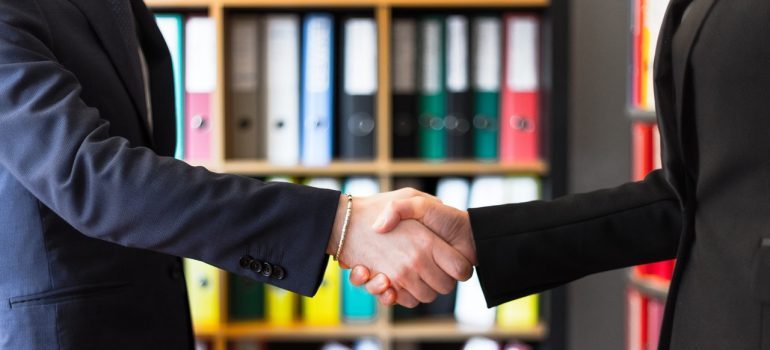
x=171 y=26
x=357 y=304
x=245 y=299
x=432 y=107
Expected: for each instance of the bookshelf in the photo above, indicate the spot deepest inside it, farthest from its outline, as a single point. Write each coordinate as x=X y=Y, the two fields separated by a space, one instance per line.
x=550 y=331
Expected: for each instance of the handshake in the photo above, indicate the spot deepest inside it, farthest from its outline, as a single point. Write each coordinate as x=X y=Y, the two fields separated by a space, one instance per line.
x=405 y=246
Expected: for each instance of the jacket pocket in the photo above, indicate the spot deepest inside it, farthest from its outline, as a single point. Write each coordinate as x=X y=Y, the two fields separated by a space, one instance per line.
x=761 y=272
x=66 y=294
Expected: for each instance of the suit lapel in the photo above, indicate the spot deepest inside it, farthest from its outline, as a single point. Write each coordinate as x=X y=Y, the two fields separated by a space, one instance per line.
x=681 y=49
x=112 y=22
x=161 y=79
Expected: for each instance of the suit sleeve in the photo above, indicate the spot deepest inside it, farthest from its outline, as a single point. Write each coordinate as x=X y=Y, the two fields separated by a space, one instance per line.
x=61 y=150
x=530 y=247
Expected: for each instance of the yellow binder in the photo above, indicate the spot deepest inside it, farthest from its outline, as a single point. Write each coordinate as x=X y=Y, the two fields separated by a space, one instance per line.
x=324 y=307
x=280 y=305
x=203 y=292
x=519 y=314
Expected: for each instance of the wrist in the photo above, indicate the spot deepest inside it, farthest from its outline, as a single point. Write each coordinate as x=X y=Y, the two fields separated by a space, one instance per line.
x=339 y=220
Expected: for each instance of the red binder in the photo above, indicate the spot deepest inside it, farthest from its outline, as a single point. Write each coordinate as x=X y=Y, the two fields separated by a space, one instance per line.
x=636 y=331
x=655 y=310
x=520 y=95
x=642 y=162
x=200 y=82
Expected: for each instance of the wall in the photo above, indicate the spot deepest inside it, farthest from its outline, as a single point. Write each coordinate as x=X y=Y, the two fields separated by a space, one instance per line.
x=599 y=154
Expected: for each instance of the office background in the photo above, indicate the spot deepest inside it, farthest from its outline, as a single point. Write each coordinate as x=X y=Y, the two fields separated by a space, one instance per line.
x=588 y=146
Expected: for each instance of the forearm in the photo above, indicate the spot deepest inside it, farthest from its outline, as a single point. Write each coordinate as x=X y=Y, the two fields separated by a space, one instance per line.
x=526 y=248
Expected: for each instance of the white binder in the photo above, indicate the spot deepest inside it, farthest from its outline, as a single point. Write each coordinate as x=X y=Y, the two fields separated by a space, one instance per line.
x=282 y=88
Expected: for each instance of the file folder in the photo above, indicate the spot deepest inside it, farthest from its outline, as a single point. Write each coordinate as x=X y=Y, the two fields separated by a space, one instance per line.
x=317 y=89
x=457 y=122
x=203 y=292
x=282 y=89
x=404 y=88
x=359 y=87
x=487 y=39
x=200 y=83
x=432 y=109
x=172 y=28
x=357 y=304
x=470 y=309
x=280 y=306
x=245 y=127
x=324 y=308
x=245 y=298
x=520 y=125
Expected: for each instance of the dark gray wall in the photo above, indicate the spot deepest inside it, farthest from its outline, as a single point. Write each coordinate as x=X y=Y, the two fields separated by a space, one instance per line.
x=599 y=154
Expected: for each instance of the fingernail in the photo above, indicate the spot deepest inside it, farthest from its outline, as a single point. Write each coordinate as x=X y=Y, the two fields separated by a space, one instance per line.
x=380 y=281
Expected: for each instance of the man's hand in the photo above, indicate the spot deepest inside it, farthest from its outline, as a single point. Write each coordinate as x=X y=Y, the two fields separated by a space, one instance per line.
x=411 y=259
x=451 y=224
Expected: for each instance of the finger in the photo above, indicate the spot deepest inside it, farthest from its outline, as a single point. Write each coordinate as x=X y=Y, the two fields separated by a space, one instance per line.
x=433 y=275
x=451 y=262
x=402 y=209
x=378 y=285
x=388 y=297
x=412 y=282
x=406 y=299
x=359 y=275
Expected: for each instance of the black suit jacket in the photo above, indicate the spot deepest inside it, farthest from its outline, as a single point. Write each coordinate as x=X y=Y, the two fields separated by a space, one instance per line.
x=707 y=207
x=94 y=211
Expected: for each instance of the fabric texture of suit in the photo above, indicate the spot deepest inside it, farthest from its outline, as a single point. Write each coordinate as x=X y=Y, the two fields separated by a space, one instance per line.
x=707 y=207
x=94 y=210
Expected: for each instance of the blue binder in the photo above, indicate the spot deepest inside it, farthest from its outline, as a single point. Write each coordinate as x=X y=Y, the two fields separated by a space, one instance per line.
x=317 y=89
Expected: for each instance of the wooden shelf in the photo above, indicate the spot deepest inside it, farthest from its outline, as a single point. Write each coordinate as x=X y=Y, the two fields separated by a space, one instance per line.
x=394 y=168
x=423 y=168
x=262 y=330
x=448 y=330
x=346 y=3
x=178 y=3
x=339 y=169
x=651 y=286
x=466 y=3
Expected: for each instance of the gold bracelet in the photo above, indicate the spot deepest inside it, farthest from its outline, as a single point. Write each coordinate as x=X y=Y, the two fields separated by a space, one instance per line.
x=344 y=227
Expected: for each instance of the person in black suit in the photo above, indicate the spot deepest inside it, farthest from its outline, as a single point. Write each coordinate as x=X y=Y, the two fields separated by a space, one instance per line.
x=709 y=206
x=94 y=212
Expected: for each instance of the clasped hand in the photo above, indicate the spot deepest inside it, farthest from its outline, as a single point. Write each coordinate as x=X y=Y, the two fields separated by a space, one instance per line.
x=406 y=246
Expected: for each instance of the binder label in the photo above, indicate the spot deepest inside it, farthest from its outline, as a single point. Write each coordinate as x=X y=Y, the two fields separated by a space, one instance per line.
x=431 y=50
x=457 y=53
x=522 y=59
x=404 y=64
x=487 y=54
x=244 y=54
x=360 y=56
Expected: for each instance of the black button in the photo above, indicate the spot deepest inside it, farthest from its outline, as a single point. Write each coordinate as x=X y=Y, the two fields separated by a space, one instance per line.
x=255 y=266
x=246 y=261
x=278 y=272
x=267 y=269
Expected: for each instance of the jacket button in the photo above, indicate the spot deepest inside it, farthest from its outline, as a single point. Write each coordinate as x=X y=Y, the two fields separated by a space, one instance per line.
x=267 y=269
x=279 y=273
x=255 y=266
x=245 y=261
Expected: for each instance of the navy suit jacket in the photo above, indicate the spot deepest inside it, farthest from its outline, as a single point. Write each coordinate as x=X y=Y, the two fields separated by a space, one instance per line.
x=94 y=212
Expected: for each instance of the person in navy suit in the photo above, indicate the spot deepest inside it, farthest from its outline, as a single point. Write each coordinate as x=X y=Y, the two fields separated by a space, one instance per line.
x=708 y=207
x=95 y=213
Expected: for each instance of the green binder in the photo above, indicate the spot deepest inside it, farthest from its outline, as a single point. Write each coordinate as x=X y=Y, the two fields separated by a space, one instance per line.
x=246 y=298
x=487 y=37
x=432 y=90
